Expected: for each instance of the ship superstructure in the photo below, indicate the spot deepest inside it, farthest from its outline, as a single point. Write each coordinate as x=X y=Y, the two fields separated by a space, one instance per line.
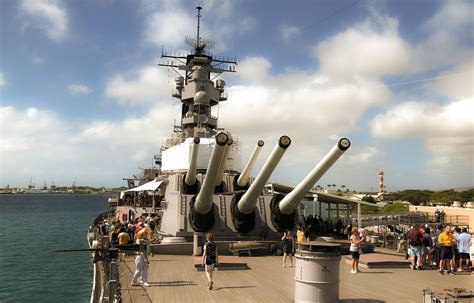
x=198 y=185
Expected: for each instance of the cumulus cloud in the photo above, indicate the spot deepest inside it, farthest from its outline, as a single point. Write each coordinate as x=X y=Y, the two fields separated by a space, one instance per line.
x=78 y=89
x=94 y=152
x=168 y=28
x=372 y=48
x=446 y=130
x=169 y=22
x=149 y=85
x=48 y=15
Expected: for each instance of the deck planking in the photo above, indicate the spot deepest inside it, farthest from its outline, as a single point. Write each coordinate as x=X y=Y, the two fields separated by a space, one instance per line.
x=174 y=279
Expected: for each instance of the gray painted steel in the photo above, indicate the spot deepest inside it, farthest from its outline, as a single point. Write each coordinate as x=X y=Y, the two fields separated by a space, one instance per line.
x=244 y=177
x=249 y=199
x=291 y=201
x=204 y=199
x=191 y=174
x=317 y=272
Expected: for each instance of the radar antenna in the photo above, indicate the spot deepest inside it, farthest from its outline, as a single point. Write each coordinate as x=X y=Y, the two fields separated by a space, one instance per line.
x=198 y=43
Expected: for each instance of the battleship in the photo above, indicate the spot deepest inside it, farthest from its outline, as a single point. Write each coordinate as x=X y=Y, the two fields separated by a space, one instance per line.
x=197 y=185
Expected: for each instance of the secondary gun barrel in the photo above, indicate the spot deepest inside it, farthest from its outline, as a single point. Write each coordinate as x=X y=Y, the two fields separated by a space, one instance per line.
x=220 y=172
x=249 y=199
x=289 y=203
x=190 y=178
x=244 y=177
x=204 y=199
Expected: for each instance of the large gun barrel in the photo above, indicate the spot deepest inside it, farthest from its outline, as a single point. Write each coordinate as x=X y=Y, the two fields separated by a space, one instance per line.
x=289 y=203
x=190 y=182
x=243 y=214
x=204 y=199
x=244 y=178
x=219 y=186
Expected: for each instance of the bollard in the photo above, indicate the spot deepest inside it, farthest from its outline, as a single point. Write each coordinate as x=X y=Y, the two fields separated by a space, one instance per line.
x=317 y=272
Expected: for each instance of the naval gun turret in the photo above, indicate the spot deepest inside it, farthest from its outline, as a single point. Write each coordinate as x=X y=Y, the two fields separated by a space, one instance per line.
x=201 y=215
x=243 y=210
x=199 y=186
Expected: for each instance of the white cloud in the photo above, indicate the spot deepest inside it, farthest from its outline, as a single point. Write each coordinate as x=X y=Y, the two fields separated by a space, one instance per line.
x=447 y=132
x=168 y=28
x=372 y=48
x=287 y=32
x=457 y=82
x=34 y=140
x=169 y=22
x=78 y=89
x=150 y=85
x=48 y=15
x=2 y=80
x=453 y=15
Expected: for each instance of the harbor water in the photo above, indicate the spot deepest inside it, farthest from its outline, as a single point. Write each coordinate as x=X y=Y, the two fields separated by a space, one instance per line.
x=32 y=227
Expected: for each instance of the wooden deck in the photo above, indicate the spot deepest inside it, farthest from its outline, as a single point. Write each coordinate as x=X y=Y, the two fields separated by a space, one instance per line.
x=174 y=279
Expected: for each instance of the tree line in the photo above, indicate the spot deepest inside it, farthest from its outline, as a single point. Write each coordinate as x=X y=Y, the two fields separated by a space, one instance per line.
x=417 y=197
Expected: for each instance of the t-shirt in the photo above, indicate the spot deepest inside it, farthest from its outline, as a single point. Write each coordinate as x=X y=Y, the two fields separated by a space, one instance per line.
x=210 y=250
x=463 y=243
x=446 y=239
x=354 y=247
x=300 y=237
x=414 y=237
x=362 y=232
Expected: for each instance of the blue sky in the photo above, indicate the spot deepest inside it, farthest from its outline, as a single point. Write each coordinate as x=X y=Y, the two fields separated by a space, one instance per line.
x=81 y=95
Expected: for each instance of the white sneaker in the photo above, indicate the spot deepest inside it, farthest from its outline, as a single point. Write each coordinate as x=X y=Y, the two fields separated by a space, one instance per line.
x=353 y=271
x=146 y=284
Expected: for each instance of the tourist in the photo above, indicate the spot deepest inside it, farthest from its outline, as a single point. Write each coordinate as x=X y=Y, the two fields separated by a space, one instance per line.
x=210 y=258
x=437 y=246
x=339 y=227
x=464 y=240
x=288 y=246
x=427 y=248
x=415 y=238
x=447 y=241
x=300 y=234
x=456 y=257
x=355 y=251
x=349 y=231
x=438 y=216
x=141 y=266
x=362 y=233
x=123 y=239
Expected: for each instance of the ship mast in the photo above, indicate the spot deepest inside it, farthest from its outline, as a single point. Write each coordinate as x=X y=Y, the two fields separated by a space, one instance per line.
x=195 y=87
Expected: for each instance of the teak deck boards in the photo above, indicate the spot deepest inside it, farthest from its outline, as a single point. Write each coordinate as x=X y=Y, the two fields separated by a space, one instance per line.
x=174 y=279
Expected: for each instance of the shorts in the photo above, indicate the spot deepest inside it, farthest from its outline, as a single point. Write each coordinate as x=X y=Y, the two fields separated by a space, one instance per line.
x=464 y=256
x=446 y=252
x=415 y=251
x=210 y=267
x=355 y=255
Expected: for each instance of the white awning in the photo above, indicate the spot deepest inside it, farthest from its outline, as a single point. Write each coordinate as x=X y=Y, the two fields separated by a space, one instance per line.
x=150 y=186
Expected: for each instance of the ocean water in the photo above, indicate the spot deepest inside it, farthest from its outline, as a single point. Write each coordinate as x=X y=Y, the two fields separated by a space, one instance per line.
x=32 y=226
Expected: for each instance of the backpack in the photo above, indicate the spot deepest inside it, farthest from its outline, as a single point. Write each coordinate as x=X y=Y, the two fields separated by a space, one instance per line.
x=426 y=241
x=210 y=253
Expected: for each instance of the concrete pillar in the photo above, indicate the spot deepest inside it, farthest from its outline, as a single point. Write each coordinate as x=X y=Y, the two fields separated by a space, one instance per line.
x=196 y=244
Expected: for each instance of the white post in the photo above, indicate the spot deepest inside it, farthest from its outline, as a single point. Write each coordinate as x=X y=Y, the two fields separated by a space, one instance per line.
x=358 y=216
